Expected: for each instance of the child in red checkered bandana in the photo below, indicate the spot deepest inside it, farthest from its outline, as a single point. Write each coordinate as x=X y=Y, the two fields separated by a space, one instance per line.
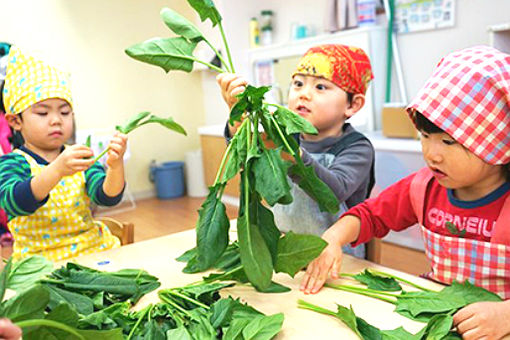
x=461 y=200
x=328 y=86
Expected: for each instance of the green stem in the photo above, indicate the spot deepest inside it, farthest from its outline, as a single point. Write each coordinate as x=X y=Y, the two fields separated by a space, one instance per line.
x=218 y=54
x=400 y=279
x=306 y=305
x=48 y=280
x=171 y=302
x=101 y=154
x=144 y=312
x=369 y=290
x=226 y=47
x=225 y=155
x=222 y=164
x=361 y=292
x=187 y=298
x=49 y=323
x=287 y=146
x=236 y=269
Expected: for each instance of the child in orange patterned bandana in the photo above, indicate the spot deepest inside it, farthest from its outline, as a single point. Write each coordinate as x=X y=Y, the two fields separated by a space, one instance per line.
x=45 y=185
x=328 y=87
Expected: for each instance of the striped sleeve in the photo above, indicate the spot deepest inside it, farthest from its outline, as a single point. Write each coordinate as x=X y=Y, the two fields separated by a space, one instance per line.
x=94 y=179
x=16 y=196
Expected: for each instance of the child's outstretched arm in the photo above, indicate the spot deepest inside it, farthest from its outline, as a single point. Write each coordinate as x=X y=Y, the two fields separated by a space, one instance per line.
x=344 y=231
x=73 y=159
x=114 y=181
x=483 y=320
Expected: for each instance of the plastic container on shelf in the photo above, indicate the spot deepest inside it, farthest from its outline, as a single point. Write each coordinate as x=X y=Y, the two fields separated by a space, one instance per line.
x=366 y=12
x=266 y=18
x=168 y=178
x=254 y=33
x=266 y=38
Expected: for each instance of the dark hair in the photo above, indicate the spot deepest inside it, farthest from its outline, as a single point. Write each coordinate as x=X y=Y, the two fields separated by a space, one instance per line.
x=425 y=125
x=349 y=97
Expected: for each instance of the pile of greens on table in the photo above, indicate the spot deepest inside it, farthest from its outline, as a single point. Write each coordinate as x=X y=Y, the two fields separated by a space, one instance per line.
x=436 y=309
x=76 y=303
x=261 y=249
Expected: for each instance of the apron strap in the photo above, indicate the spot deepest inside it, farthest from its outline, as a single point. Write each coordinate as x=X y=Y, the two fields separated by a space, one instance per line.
x=418 y=190
x=501 y=234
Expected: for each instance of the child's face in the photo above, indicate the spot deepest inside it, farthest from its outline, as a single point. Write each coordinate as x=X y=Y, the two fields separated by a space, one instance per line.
x=46 y=125
x=455 y=167
x=322 y=103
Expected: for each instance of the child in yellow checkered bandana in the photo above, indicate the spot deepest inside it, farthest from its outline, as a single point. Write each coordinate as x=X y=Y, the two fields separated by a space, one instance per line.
x=46 y=186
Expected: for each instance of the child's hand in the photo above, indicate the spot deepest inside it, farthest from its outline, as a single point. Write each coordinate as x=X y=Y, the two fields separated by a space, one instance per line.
x=73 y=159
x=8 y=330
x=483 y=320
x=116 y=150
x=328 y=262
x=231 y=85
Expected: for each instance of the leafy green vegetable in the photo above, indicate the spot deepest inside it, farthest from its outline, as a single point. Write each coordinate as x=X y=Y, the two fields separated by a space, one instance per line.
x=377 y=282
x=295 y=252
x=452 y=228
x=437 y=328
x=212 y=230
x=27 y=271
x=263 y=172
x=88 y=142
x=138 y=120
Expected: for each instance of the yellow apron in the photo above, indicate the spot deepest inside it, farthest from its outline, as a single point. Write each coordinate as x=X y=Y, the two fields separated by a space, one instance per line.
x=63 y=227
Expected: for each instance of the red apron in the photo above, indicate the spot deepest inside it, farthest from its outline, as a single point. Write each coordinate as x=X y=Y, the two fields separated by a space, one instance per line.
x=485 y=264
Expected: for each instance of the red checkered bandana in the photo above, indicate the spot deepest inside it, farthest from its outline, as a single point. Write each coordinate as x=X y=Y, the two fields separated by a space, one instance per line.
x=346 y=66
x=468 y=97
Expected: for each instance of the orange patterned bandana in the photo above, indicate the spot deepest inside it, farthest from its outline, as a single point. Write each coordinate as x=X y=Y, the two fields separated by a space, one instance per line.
x=346 y=66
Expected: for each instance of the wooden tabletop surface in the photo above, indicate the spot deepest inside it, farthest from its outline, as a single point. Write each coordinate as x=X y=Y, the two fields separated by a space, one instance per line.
x=157 y=256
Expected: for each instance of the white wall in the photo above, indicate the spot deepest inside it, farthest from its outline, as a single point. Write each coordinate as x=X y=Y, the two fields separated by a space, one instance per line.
x=88 y=39
x=419 y=51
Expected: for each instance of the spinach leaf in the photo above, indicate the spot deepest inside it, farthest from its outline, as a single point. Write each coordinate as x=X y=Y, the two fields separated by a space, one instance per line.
x=27 y=271
x=29 y=304
x=314 y=187
x=88 y=142
x=180 y=25
x=452 y=228
x=263 y=327
x=295 y=251
x=212 y=230
x=4 y=278
x=132 y=122
x=378 y=282
x=271 y=176
x=250 y=100
x=83 y=304
x=255 y=255
x=206 y=10
x=167 y=53
x=293 y=122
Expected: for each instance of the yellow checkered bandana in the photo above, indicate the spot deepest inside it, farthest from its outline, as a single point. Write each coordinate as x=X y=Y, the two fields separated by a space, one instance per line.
x=29 y=81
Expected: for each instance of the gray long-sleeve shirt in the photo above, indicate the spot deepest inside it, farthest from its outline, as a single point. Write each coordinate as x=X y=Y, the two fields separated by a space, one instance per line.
x=348 y=175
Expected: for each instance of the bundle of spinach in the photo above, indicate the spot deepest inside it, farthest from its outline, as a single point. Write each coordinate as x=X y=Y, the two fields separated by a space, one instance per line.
x=438 y=327
x=262 y=169
x=433 y=307
x=138 y=120
x=77 y=302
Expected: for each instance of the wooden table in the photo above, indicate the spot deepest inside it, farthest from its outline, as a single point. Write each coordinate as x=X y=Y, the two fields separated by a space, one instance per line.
x=157 y=256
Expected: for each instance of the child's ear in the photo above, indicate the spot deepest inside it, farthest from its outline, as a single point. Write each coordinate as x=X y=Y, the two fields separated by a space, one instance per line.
x=14 y=121
x=357 y=102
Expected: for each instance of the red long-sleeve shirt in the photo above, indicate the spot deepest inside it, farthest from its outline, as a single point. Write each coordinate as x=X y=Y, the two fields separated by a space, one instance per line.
x=392 y=210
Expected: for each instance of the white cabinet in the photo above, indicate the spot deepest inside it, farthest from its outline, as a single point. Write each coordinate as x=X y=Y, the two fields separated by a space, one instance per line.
x=278 y=61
